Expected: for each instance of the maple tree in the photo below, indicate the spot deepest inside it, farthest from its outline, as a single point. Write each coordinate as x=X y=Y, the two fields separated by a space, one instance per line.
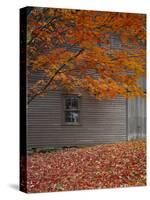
x=72 y=49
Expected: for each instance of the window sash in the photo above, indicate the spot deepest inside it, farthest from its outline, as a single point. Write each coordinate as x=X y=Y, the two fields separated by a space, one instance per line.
x=115 y=42
x=74 y=110
x=72 y=100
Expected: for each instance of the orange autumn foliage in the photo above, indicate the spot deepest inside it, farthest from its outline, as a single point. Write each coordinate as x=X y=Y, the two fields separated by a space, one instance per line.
x=72 y=49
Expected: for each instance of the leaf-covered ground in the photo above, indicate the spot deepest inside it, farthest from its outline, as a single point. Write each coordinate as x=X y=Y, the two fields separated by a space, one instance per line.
x=101 y=166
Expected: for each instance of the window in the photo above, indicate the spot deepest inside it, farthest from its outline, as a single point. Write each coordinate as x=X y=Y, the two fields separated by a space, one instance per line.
x=115 y=42
x=71 y=109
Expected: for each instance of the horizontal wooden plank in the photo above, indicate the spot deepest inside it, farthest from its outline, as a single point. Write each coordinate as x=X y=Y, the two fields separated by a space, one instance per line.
x=101 y=122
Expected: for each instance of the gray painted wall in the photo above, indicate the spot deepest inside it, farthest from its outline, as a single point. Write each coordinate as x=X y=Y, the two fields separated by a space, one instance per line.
x=137 y=115
x=101 y=122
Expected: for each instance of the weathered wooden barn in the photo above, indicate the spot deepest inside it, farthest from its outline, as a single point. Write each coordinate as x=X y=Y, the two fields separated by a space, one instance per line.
x=60 y=120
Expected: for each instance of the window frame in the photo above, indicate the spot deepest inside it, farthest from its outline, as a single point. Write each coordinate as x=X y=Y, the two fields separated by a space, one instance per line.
x=64 y=96
x=112 y=40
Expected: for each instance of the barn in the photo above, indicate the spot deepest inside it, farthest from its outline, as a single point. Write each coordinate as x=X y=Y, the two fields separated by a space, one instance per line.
x=61 y=119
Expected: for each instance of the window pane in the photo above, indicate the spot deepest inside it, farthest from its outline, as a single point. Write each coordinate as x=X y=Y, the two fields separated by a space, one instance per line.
x=72 y=116
x=75 y=103
x=115 y=42
x=67 y=117
x=71 y=102
x=68 y=103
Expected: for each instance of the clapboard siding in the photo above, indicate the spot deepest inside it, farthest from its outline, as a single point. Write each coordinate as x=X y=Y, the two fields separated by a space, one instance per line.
x=101 y=122
x=137 y=115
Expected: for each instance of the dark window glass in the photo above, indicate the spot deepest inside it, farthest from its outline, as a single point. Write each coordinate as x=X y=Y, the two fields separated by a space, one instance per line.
x=68 y=103
x=115 y=42
x=72 y=116
x=75 y=103
x=71 y=109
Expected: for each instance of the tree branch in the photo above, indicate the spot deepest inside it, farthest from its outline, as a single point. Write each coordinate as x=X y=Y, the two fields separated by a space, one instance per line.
x=43 y=27
x=52 y=78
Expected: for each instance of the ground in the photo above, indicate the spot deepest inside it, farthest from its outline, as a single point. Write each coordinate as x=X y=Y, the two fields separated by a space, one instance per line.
x=101 y=166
